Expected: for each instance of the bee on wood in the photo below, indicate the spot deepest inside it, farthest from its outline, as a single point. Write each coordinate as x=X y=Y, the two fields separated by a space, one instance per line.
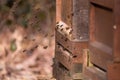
x=64 y=29
x=57 y=23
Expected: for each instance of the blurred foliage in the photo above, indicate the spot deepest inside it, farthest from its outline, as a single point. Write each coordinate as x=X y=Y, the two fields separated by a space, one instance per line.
x=38 y=11
x=13 y=45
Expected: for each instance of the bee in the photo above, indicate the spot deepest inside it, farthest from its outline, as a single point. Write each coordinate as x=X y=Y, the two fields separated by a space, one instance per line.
x=57 y=23
x=67 y=28
x=24 y=50
x=36 y=46
x=61 y=25
x=45 y=47
x=64 y=29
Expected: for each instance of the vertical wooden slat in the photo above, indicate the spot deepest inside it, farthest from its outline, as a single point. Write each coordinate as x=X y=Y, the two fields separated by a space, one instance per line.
x=80 y=19
x=66 y=12
x=58 y=10
x=117 y=31
x=92 y=23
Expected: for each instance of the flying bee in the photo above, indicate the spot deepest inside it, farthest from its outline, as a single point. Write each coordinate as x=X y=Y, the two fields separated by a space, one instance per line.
x=24 y=50
x=45 y=47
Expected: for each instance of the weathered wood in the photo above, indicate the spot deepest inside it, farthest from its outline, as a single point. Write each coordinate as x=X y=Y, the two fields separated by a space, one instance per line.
x=66 y=12
x=61 y=73
x=117 y=32
x=105 y=3
x=80 y=19
x=100 y=54
x=75 y=14
x=58 y=10
x=93 y=73
x=69 y=61
x=75 y=47
x=114 y=71
x=101 y=33
x=103 y=27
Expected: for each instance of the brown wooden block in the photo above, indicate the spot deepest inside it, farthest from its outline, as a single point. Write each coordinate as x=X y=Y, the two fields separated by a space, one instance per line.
x=62 y=73
x=75 y=14
x=100 y=54
x=93 y=73
x=73 y=64
x=75 y=47
x=114 y=71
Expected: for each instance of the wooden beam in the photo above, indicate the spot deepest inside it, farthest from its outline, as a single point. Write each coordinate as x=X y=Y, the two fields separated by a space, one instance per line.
x=113 y=71
x=93 y=73
x=105 y=3
x=117 y=31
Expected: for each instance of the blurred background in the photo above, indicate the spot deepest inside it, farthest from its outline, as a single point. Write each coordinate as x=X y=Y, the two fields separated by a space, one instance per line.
x=27 y=39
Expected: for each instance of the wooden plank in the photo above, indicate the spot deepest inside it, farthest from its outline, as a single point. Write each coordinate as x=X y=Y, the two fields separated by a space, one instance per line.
x=105 y=3
x=117 y=32
x=75 y=15
x=73 y=64
x=114 y=71
x=66 y=12
x=100 y=54
x=60 y=73
x=80 y=19
x=101 y=34
x=58 y=10
x=93 y=73
x=75 y=47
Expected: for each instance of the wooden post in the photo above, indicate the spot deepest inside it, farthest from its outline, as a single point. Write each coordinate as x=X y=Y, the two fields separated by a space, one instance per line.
x=117 y=31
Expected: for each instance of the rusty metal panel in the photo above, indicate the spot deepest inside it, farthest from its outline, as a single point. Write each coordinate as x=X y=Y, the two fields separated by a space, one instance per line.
x=101 y=35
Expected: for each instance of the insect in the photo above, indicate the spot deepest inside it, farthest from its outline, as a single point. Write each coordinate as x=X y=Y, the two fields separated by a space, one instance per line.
x=57 y=23
x=45 y=47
